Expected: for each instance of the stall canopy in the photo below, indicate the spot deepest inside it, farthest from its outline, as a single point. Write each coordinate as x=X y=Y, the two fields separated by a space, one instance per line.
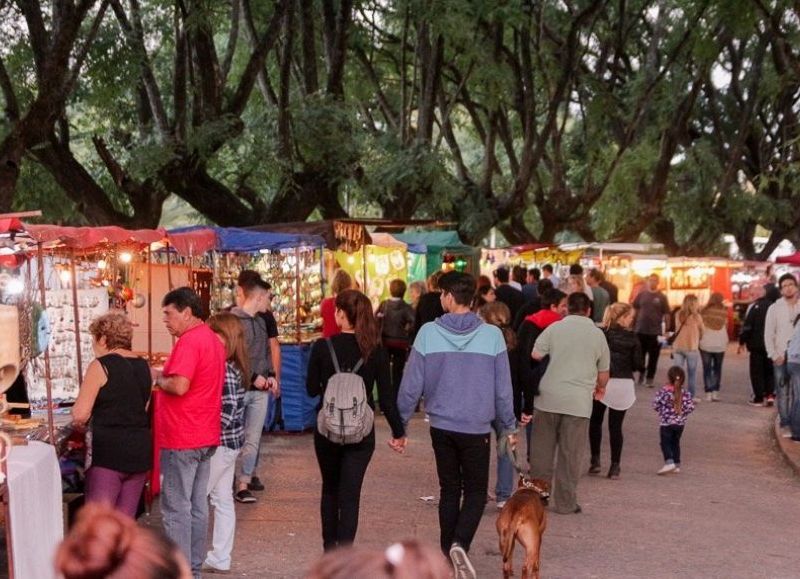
x=199 y=239
x=432 y=241
x=793 y=259
x=342 y=235
x=86 y=237
x=432 y=245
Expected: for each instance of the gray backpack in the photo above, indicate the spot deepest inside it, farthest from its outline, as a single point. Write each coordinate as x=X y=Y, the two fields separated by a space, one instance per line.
x=345 y=416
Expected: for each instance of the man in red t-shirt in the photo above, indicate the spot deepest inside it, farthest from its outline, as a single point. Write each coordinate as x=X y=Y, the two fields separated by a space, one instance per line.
x=188 y=422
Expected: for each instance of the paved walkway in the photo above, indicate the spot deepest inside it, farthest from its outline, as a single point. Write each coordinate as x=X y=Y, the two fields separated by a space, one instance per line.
x=732 y=512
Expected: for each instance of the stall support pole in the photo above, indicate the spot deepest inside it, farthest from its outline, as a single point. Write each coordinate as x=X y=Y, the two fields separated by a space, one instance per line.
x=150 y=305
x=169 y=268
x=75 y=314
x=364 y=268
x=48 y=379
x=297 y=292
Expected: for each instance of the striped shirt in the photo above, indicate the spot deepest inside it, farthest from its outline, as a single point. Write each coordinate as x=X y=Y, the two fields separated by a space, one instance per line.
x=232 y=408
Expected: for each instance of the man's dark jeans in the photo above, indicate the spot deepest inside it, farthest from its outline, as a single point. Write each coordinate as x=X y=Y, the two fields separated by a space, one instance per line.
x=651 y=349
x=462 y=462
x=761 y=375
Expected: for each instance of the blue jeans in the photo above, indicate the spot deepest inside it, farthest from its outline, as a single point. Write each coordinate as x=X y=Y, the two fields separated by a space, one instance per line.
x=505 y=473
x=184 y=500
x=256 y=403
x=794 y=382
x=689 y=360
x=671 y=443
x=712 y=369
x=783 y=393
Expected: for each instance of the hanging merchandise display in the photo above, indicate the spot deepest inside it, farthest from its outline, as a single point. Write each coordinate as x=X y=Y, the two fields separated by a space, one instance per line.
x=296 y=279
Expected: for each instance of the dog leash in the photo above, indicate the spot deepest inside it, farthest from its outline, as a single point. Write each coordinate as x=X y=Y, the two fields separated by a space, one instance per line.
x=524 y=472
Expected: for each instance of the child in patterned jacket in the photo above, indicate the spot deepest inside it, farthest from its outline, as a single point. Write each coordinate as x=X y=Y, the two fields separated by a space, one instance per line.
x=673 y=404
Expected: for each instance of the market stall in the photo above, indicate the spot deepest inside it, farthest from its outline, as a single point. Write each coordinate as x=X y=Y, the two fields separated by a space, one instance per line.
x=376 y=265
x=292 y=264
x=55 y=280
x=430 y=251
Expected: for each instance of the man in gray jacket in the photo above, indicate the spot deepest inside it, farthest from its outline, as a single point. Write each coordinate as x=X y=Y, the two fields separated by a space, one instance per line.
x=251 y=301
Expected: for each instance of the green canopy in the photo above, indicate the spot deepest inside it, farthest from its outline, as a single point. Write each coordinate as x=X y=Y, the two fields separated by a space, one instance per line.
x=433 y=244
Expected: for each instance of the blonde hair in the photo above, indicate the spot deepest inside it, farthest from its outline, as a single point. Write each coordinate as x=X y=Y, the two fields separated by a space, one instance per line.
x=115 y=327
x=578 y=281
x=689 y=307
x=228 y=327
x=406 y=560
x=497 y=314
x=614 y=313
x=341 y=281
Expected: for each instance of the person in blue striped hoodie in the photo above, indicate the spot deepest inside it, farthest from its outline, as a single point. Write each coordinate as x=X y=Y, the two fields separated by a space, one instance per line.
x=459 y=364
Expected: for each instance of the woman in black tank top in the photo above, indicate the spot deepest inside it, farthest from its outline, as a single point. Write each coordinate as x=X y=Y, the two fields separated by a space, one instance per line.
x=113 y=402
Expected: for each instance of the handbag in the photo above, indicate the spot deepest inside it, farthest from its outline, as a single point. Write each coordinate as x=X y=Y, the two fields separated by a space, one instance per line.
x=671 y=339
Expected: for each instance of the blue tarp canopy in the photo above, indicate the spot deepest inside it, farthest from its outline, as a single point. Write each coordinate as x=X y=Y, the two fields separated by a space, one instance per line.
x=432 y=241
x=242 y=240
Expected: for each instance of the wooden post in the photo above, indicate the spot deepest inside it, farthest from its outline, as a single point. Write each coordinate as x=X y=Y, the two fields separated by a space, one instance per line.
x=76 y=314
x=297 y=292
x=169 y=268
x=48 y=379
x=150 y=305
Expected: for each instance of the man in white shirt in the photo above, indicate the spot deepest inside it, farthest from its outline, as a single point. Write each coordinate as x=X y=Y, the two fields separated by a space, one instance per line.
x=778 y=330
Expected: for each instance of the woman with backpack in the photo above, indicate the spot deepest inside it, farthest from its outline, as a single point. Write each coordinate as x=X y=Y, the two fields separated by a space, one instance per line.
x=344 y=441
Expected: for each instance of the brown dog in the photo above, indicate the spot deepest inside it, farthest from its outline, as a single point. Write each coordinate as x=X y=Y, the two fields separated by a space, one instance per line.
x=524 y=519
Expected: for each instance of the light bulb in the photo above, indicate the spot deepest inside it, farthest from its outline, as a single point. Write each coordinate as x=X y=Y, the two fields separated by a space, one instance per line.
x=65 y=276
x=350 y=259
x=15 y=286
x=125 y=257
x=101 y=264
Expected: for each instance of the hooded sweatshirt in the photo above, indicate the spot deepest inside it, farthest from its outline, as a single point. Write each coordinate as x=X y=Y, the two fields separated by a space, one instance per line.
x=530 y=370
x=257 y=340
x=460 y=365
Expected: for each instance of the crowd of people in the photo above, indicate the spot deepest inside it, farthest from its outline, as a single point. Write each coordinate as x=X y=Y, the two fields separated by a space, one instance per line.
x=524 y=350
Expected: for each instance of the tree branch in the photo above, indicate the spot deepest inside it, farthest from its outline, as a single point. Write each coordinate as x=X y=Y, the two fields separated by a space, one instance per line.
x=255 y=65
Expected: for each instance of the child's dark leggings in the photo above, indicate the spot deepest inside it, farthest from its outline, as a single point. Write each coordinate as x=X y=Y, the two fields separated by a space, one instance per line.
x=671 y=443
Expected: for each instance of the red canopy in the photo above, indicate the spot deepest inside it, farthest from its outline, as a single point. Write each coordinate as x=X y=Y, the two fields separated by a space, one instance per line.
x=86 y=237
x=193 y=241
x=793 y=259
x=10 y=224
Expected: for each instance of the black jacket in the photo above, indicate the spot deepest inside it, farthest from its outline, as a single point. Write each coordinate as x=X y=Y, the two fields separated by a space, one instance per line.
x=396 y=318
x=428 y=309
x=752 y=334
x=511 y=297
x=626 y=353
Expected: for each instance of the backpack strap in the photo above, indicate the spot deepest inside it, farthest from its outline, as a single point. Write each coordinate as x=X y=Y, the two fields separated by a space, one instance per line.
x=333 y=355
x=336 y=367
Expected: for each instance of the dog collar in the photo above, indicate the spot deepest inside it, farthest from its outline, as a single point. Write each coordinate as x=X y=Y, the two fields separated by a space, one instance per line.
x=529 y=484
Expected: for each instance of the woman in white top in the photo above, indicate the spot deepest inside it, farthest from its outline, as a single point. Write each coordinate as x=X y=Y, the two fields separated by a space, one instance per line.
x=713 y=343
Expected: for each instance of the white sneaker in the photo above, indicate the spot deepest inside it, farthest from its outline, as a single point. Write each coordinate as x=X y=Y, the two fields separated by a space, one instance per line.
x=677 y=470
x=715 y=396
x=667 y=468
x=500 y=505
x=697 y=399
x=461 y=564
x=709 y=396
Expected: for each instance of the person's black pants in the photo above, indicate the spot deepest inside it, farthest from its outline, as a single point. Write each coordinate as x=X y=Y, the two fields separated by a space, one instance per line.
x=650 y=349
x=761 y=375
x=615 y=418
x=342 y=467
x=671 y=443
x=397 y=360
x=462 y=463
